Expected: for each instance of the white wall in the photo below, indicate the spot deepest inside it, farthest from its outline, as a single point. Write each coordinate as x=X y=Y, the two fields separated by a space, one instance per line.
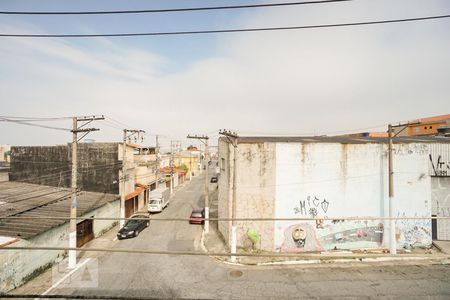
x=441 y=205
x=17 y=265
x=348 y=180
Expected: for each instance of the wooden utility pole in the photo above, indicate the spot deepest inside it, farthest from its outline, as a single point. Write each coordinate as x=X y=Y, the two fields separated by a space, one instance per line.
x=204 y=139
x=127 y=134
x=233 y=139
x=73 y=207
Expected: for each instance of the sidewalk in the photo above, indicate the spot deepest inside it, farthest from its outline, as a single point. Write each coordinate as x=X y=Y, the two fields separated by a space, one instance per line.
x=213 y=242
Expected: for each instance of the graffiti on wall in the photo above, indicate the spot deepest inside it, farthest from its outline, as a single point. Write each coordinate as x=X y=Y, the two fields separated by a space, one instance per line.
x=333 y=234
x=408 y=149
x=300 y=238
x=342 y=232
x=410 y=233
x=440 y=166
x=312 y=206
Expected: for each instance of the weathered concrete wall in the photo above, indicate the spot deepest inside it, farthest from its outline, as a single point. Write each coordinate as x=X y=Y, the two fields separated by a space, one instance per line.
x=441 y=205
x=98 y=166
x=329 y=180
x=224 y=185
x=256 y=191
x=18 y=266
x=348 y=180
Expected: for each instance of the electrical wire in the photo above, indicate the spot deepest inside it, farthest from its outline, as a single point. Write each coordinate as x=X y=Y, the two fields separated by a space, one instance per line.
x=130 y=34
x=219 y=254
x=169 y=10
x=32 y=124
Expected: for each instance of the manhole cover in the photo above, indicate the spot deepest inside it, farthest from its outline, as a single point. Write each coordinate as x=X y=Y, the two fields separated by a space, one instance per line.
x=236 y=273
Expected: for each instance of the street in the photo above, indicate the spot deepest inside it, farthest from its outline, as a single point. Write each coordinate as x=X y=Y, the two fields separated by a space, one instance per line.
x=169 y=276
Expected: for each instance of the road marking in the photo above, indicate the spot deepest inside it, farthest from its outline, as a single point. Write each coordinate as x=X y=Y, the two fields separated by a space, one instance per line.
x=65 y=277
x=115 y=239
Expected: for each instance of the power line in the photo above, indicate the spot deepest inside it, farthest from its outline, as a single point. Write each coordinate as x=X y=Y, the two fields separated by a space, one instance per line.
x=32 y=124
x=221 y=30
x=169 y=10
x=36 y=119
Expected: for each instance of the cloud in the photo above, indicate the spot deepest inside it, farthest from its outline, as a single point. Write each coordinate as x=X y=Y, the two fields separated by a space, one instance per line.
x=273 y=82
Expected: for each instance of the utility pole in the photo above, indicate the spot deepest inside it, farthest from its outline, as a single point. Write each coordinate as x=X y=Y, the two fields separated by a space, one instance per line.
x=158 y=161
x=73 y=207
x=233 y=139
x=204 y=139
x=127 y=134
x=392 y=239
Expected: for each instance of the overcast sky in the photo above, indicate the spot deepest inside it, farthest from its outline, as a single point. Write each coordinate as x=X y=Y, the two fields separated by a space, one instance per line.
x=285 y=82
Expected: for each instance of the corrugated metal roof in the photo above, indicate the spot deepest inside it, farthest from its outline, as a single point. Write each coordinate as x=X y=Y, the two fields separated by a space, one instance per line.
x=337 y=139
x=27 y=200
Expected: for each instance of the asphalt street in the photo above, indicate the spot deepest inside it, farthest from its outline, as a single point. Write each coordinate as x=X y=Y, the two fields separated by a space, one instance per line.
x=203 y=277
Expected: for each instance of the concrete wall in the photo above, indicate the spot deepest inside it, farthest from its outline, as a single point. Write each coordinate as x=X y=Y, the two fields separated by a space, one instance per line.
x=98 y=166
x=225 y=185
x=329 y=180
x=441 y=205
x=348 y=180
x=17 y=266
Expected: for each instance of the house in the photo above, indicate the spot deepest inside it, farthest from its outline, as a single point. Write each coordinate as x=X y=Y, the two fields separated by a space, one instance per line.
x=427 y=126
x=331 y=179
x=5 y=153
x=179 y=176
x=190 y=160
x=99 y=169
x=24 y=200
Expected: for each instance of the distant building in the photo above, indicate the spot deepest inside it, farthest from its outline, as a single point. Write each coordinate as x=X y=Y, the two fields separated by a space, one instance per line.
x=99 y=169
x=334 y=178
x=5 y=151
x=437 y=125
x=368 y=134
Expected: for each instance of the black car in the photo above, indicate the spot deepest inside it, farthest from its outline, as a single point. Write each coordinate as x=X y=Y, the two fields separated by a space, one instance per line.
x=213 y=179
x=132 y=228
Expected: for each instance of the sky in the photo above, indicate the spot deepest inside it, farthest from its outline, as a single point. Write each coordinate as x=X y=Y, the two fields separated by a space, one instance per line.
x=297 y=82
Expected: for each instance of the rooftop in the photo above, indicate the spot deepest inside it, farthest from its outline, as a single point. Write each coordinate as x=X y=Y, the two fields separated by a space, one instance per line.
x=32 y=200
x=339 y=139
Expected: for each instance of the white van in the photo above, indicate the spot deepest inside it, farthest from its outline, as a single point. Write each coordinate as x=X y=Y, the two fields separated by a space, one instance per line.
x=159 y=199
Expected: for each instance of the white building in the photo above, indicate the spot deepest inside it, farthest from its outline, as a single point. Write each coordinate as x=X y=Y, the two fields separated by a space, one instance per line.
x=331 y=178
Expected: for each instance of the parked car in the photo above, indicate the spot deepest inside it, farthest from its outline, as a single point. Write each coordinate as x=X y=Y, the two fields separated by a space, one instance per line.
x=132 y=228
x=196 y=216
x=213 y=179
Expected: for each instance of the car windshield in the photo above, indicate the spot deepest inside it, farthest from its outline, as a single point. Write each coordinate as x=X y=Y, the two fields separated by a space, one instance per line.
x=131 y=223
x=154 y=201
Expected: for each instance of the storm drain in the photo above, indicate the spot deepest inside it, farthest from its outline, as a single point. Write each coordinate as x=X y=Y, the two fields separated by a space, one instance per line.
x=235 y=273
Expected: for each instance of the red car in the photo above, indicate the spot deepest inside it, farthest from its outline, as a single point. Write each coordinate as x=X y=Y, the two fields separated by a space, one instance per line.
x=196 y=216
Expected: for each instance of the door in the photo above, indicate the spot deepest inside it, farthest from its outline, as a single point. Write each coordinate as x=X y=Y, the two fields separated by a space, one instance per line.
x=85 y=232
x=129 y=209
